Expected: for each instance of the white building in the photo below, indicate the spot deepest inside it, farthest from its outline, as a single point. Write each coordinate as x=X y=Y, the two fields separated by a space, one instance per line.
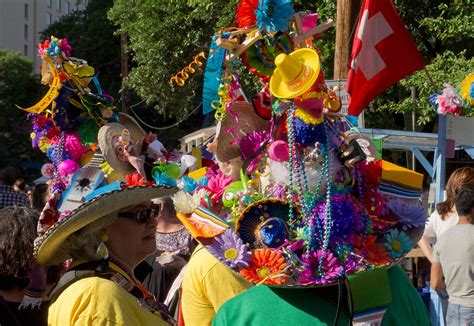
x=21 y=21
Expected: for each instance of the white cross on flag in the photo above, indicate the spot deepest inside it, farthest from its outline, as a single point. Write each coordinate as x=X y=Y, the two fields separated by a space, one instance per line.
x=383 y=52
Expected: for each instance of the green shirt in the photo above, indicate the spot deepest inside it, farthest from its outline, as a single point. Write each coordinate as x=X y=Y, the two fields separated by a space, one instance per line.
x=262 y=305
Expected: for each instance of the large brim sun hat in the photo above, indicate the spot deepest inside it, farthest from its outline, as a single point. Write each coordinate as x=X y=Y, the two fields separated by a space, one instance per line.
x=47 y=247
x=294 y=73
x=113 y=129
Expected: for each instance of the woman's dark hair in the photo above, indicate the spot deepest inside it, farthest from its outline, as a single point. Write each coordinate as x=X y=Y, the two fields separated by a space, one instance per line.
x=460 y=178
x=465 y=203
x=39 y=196
x=17 y=233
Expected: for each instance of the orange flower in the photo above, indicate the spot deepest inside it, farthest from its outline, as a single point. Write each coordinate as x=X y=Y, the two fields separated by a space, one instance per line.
x=266 y=266
x=373 y=252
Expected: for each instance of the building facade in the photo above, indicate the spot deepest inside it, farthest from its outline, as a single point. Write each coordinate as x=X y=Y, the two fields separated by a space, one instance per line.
x=21 y=22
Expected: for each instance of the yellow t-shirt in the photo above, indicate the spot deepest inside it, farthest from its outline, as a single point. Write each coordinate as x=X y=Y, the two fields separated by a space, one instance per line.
x=207 y=284
x=98 y=301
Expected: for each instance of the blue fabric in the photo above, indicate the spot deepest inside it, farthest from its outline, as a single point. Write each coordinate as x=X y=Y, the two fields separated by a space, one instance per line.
x=459 y=315
x=212 y=75
x=438 y=307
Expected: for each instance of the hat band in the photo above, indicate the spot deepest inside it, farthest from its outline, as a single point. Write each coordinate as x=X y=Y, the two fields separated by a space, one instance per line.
x=301 y=79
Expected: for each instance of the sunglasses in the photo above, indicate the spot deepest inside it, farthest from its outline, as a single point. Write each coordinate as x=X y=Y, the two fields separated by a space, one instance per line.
x=143 y=216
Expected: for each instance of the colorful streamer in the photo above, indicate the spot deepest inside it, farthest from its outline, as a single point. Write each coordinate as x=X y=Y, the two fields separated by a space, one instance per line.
x=181 y=77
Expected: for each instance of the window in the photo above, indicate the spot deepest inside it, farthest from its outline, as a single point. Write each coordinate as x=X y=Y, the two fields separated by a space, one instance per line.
x=49 y=3
x=58 y=5
x=26 y=32
x=49 y=18
x=26 y=11
x=25 y=50
x=68 y=8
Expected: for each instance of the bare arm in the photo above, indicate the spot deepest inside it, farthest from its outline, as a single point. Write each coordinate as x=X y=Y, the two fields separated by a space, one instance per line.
x=436 y=280
x=426 y=248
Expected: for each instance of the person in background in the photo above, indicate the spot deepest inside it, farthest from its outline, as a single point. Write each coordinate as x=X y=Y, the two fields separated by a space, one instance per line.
x=264 y=305
x=444 y=217
x=207 y=285
x=174 y=245
x=39 y=196
x=8 y=197
x=19 y=185
x=453 y=258
x=17 y=233
x=106 y=239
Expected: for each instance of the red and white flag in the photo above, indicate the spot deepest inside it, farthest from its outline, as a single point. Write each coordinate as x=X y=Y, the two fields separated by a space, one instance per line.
x=383 y=52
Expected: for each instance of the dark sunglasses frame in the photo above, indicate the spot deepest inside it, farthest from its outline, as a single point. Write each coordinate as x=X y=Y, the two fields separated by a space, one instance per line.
x=142 y=216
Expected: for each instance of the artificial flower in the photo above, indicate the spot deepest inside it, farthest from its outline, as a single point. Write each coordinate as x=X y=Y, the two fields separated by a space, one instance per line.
x=267 y=266
x=274 y=15
x=246 y=13
x=370 y=250
x=163 y=179
x=398 y=243
x=187 y=184
x=252 y=142
x=371 y=173
x=230 y=250
x=331 y=269
x=216 y=186
x=408 y=215
x=134 y=179
x=447 y=102
x=467 y=89
x=184 y=202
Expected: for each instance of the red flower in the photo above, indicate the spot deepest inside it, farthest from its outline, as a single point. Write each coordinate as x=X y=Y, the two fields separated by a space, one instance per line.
x=246 y=13
x=371 y=173
x=135 y=179
x=267 y=266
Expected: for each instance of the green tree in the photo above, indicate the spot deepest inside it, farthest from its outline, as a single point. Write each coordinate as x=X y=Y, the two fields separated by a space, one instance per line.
x=18 y=86
x=92 y=38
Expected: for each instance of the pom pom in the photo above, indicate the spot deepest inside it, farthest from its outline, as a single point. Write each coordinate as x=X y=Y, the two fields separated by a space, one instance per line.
x=184 y=202
x=279 y=151
x=68 y=167
x=74 y=148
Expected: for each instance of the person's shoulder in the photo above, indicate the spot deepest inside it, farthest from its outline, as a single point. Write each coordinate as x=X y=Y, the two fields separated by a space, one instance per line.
x=94 y=288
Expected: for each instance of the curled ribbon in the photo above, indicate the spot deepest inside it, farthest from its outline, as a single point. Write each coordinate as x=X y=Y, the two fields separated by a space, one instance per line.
x=181 y=77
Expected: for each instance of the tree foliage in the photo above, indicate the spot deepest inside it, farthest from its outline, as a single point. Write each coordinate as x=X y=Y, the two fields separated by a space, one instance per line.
x=18 y=86
x=164 y=36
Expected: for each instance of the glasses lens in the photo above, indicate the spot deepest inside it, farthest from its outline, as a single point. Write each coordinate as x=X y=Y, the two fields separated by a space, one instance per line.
x=143 y=215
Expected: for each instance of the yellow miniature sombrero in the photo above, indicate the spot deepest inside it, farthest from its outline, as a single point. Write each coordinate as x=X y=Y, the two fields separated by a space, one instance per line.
x=295 y=73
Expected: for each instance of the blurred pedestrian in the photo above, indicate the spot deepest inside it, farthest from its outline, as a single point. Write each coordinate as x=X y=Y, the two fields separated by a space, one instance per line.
x=39 y=196
x=453 y=258
x=8 y=197
x=444 y=217
x=17 y=234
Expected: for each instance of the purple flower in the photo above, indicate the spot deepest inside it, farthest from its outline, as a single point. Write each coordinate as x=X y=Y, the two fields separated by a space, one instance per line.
x=230 y=250
x=331 y=268
x=408 y=215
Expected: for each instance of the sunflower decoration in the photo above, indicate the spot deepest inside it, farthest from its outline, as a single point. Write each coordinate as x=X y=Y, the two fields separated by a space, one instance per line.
x=270 y=16
x=467 y=89
x=266 y=266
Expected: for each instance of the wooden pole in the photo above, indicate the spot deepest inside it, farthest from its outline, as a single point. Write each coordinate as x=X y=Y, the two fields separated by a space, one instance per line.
x=347 y=13
x=124 y=67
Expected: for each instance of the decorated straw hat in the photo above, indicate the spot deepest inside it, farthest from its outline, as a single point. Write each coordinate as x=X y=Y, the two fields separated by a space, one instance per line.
x=260 y=57
x=240 y=120
x=47 y=247
x=295 y=73
x=112 y=129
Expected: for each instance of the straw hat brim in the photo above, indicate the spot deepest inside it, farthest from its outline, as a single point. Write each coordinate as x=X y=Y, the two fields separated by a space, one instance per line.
x=46 y=247
x=279 y=87
x=112 y=129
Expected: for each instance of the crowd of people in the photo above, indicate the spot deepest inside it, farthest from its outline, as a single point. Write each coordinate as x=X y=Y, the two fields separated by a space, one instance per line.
x=135 y=250
x=287 y=215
